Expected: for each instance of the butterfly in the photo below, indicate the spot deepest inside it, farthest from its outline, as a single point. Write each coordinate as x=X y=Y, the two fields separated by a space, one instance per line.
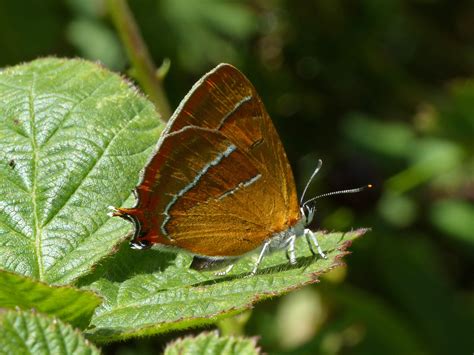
x=219 y=185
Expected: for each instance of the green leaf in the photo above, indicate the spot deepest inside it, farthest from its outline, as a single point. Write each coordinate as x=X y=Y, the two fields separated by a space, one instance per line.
x=362 y=309
x=67 y=303
x=96 y=41
x=455 y=218
x=213 y=23
x=393 y=140
x=128 y=262
x=32 y=333
x=412 y=273
x=398 y=209
x=430 y=158
x=178 y=297
x=212 y=343
x=73 y=138
x=457 y=110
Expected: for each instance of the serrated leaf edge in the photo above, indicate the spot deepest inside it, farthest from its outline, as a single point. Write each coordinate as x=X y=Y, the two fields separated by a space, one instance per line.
x=184 y=323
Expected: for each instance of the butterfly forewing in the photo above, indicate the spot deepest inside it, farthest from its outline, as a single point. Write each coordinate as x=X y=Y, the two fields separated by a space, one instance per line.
x=219 y=183
x=224 y=99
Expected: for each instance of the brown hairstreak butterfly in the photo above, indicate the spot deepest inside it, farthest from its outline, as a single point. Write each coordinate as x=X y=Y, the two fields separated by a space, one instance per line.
x=219 y=184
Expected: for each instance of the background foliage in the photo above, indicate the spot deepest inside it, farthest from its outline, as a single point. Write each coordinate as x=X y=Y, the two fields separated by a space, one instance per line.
x=382 y=92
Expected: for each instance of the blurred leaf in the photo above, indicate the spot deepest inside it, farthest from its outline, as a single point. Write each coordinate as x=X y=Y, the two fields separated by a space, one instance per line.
x=341 y=218
x=393 y=140
x=32 y=333
x=212 y=23
x=180 y=297
x=399 y=210
x=234 y=325
x=412 y=275
x=95 y=41
x=380 y=329
x=455 y=218
x=72 y=305
x=73 y=138
x=212 y=343
x=87 y=8
x=457 y=112
x=299 y=316
x=430 y=158
x=436 y=155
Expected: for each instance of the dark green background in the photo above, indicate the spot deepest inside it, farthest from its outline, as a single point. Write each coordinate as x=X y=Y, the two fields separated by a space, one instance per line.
x=383 y=92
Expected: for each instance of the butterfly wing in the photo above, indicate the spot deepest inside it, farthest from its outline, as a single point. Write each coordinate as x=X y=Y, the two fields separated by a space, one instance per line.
x=219 y=183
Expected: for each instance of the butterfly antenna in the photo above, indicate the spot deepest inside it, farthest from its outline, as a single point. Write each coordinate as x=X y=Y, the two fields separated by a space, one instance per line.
x=340 y=192
x=320 y=164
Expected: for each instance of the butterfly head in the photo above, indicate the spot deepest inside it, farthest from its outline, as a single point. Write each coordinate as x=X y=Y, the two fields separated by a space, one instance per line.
x=307 y=212
x=307 y=207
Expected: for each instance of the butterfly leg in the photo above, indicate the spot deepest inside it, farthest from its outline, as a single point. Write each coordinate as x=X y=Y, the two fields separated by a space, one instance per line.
x=226 y=271
x=310 y=245
x=290 y=252
x=260 y=257
x=310 y=237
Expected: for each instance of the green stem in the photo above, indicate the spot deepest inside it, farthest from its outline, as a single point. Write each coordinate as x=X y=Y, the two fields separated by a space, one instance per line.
x=143 y=66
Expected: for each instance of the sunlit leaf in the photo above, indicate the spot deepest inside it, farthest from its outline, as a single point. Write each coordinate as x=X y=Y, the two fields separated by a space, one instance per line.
x=178 y=297
x=73 y=138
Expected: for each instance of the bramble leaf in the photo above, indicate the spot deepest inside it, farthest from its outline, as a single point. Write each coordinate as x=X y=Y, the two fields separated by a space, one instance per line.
x=73 y=138
x=70 y=304
x=176 y=297
x=212 y=343
x=32 y=333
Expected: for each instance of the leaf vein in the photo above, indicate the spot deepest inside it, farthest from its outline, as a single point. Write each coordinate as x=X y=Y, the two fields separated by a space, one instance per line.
x=37 y=229
x=67 y=114
x=90 y=170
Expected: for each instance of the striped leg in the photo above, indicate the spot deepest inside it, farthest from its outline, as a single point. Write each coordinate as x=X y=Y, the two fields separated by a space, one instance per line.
x=290 y=252
x=260 y=257
x=310 y=237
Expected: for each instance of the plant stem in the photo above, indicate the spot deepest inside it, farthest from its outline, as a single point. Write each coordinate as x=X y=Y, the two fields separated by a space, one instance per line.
x=143 y=66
